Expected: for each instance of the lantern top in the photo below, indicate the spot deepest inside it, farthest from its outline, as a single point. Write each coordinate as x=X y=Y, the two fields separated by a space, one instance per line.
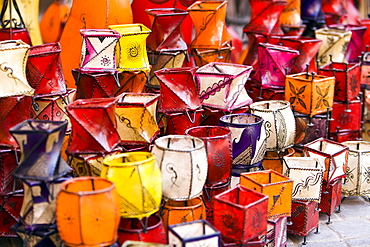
x=224 y=69
x=326 y=147
x=99 y=33
x=10 y=44
x=84 y=186
x=266 y=178
x=332 y=31
x=209 y=132
x=206 y=5
x=128 y=159
x=137 y=99
x=241 y=119
x=179 y=143
x=358 y=146
x=309 y=77
x=165 y=12
x=92 y=103
x=270 y=105
x=45 y=49
x=131 y=29
x=303 y=163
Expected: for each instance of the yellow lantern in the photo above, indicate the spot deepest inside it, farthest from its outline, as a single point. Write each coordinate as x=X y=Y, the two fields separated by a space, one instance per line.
x=138 y=180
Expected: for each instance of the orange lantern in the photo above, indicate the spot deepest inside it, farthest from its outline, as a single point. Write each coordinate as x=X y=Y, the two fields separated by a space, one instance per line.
x=87 y=212
x=274 y=160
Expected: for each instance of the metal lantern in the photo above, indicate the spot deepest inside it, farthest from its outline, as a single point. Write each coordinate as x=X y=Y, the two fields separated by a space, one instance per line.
x=277 y=187
x=93 y=125
x=40 y=143
x=44 y=71
x=13 y=68
x=184 y=165
x=307 y=174
x=333 y=155
x=335 y=42
x=309 y=93
x=248 y=136
x=241 y=214
x=221 y=85
x=131 y=50
x=87 y=212
x=199 y=232
x=136 y=118
x=278 y=121
x=98 y=50
x=138 y=181
x=356 y=182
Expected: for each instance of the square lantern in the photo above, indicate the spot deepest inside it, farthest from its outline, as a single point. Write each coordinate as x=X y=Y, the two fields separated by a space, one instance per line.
x=307 y=174
x=304 y=218
x=98 y=50
x=346 y=116
x=136 y=118
x=240 y=214
x=209 y=192
x=194 y=233
x=203 y=56
x=357 y=180
x=277 y=187
x=258 y=93
x=221 y=85
x=309 y=93
x=347 y=79
x=278 y=121
x=331 y=197
x=335 y=42
x=333 y=155
x=344 y=135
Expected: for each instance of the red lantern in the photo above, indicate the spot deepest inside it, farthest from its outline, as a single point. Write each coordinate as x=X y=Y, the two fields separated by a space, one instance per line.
x=176 y=123
x=10 y=207
x=209 y=192
x=331 y=197
x=8 y=163
x=347 y=116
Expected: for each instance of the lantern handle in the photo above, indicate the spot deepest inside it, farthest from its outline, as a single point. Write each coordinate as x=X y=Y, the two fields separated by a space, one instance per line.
x=192 y=120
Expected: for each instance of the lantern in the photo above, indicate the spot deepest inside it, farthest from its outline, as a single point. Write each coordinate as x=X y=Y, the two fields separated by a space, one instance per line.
x=131 y=52
x=274 y=160
x=8 y=163
x=331 y=197
x=241 y=214
x=176 y=123
x=333 y=155
x=307 y=174
x=132 y=229
x=217 y=141
x=211 y=116
x=312 y=16
x=13 y=68
x=87 y=212
x=174 y=212
x=335 y=42
x=209 y=192
x=221 y=85
x=131 y=81
x=15 y=109
x=277 y=231
x=93 y=125
x=203 y=56
x=258 y=93
x=279 y=122
x=274 y=63
x=198 y=232
x=40 y=143
x=138 y=174
x=183 y=162
x=98 y=50
x=290 y=18
x=136 y=118
x=356 y=183
x=309 y=93
x=343 y=136
x=248 y=140
x=44 y=71
x=347 y=116
x=10 y=208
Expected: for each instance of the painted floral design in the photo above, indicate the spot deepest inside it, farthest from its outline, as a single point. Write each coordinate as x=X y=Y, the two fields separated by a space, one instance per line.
x=297 y=95
x=322 y=97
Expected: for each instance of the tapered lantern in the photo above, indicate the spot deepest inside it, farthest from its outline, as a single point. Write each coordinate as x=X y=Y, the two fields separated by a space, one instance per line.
x=248 y=136
x=138 y=181
x=217 y=141
x=210 y=26
x=274 y=63
x=335 y=42
x=356 y=183
x=13 y=68
x=309 y=93
x=44 y=71
x=40 y=143
x=276 y=186
x=333 y=155
x=15 y=109
x=131 y=51
x=8 y=163
x=87 y=212
x=307 y=174
x=136 y=118
x=176 y=123
x=93 y=125
x=198 y=232
x=178 y=89
x=221 y=85
x=98 y=50
x=184 y=165
x=279 y=122
x=241 y=214
x=132 y=229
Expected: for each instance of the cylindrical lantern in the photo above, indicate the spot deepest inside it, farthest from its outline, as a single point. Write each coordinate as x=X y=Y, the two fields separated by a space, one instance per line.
x=87 y=212
x=279 y=122
x=184 y=165
x=217 y=141
x=356 y=183
x=98 y=50
x=131 y=51
x=138 y=181
x=132 y=229
x=248 y=136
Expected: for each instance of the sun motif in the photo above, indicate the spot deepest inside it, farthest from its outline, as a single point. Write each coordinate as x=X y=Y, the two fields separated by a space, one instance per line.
x=133 y=51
